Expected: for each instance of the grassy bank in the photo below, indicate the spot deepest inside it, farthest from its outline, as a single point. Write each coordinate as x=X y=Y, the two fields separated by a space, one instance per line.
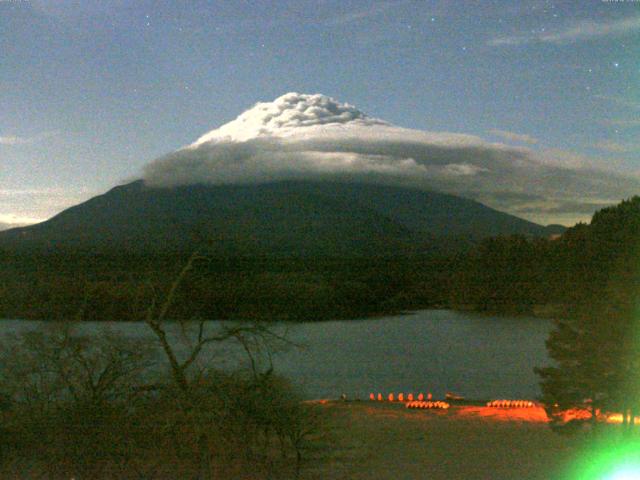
x=380 y=441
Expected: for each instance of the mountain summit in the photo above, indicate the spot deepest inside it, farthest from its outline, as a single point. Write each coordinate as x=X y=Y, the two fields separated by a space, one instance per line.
x=287 y=115
x=302 y=137
x=310 y=137
x=302 y=175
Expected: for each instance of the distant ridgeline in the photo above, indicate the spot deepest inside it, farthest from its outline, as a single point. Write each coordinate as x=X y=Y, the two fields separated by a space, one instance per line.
x=303 y=251
x=279 y=219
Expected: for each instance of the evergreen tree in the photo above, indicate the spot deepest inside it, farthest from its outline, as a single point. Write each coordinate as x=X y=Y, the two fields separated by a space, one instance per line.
x=597 y=348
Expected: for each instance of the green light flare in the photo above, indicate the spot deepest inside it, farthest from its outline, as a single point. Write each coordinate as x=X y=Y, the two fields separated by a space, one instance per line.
x=610 y=459
x=626 y=472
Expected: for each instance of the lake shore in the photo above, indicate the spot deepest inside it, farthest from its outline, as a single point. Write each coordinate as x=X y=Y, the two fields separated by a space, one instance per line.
x=435 y=351
x=382 y=440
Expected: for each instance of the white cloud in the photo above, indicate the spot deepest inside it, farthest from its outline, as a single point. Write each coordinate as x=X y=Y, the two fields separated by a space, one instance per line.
x=311 y=136
x=584 y=30
x=12 y=220
x=286 y=115
x=617 y=147
x=25 y=206
x=12 y=140
x=514 y=137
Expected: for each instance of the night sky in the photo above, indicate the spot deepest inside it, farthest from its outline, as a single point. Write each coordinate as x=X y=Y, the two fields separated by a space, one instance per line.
x=91 y=91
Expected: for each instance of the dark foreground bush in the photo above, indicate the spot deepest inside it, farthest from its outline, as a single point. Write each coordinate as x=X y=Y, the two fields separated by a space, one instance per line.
x=74 y=408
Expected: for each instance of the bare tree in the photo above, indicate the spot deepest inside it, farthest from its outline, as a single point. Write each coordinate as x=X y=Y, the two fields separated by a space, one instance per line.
x=88 y=404
x=256 y=339
x=67 y=391
x=56 y=362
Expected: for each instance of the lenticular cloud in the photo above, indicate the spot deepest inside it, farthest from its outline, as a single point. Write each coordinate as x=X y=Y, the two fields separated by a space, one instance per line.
x=300 y=136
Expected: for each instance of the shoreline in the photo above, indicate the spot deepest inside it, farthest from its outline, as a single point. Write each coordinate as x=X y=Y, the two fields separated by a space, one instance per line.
x=386 y=441
x=472 y=409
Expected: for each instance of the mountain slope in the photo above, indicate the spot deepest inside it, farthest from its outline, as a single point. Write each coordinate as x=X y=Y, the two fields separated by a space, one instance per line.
x=280 y=218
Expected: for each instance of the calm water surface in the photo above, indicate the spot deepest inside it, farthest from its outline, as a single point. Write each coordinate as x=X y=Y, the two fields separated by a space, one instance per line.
x=427 y=351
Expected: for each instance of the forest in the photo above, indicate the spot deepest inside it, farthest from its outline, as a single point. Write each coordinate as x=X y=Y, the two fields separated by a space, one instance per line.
x=501 y=275
x=118 y=287
x=559 y=277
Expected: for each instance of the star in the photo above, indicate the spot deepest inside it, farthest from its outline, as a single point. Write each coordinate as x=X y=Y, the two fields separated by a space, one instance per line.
x=616 y=64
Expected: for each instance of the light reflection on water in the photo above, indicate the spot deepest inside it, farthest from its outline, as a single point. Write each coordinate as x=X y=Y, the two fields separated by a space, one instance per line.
x=427 y=351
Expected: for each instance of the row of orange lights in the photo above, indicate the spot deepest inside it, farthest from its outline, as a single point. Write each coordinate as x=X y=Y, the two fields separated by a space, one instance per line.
x=400 y=398
x=511 y=404
x=417 y=404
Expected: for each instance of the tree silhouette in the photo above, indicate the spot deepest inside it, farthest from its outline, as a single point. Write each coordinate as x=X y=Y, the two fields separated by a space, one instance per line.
x=597 y=348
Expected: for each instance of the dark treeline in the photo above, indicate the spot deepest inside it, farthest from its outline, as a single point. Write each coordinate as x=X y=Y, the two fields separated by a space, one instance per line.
x=553 y=277
x=510 y=274
x=121 y=287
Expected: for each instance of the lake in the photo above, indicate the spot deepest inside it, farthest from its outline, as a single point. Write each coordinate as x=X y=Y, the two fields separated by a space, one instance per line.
x=434 y=351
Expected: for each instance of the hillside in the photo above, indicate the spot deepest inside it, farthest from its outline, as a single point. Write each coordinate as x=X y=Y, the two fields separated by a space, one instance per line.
x=588 y=265
x=287 y=218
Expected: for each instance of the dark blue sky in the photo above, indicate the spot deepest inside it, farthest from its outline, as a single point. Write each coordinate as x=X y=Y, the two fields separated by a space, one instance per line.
x=92 y=90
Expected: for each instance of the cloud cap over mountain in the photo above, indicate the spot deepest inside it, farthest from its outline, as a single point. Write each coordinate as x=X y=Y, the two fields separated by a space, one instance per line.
x=299 y=136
